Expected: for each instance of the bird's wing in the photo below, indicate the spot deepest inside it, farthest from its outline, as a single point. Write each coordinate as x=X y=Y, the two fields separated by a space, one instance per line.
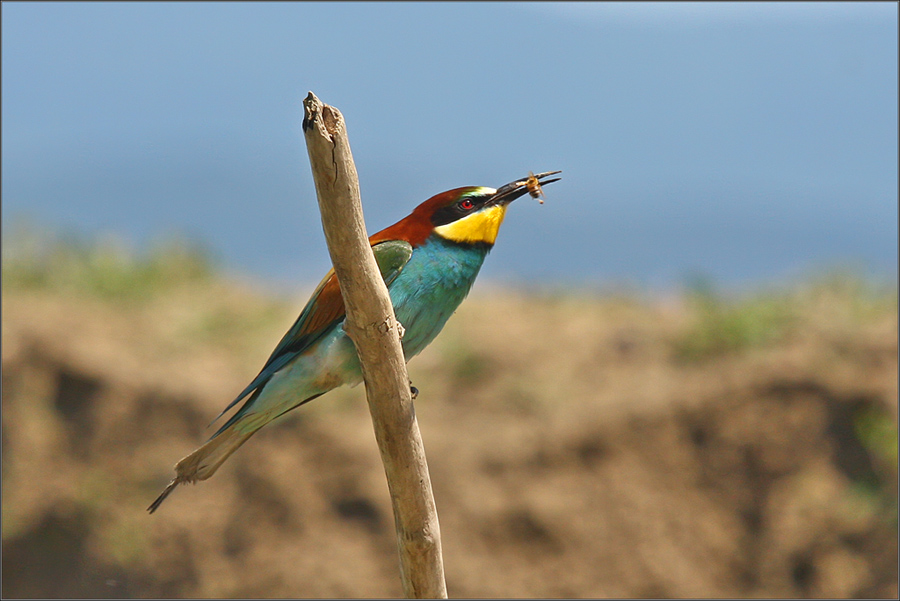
x=324 y=309
x=327 y=305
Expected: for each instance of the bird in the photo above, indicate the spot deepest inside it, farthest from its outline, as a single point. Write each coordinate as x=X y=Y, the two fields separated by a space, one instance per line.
x=428 y=260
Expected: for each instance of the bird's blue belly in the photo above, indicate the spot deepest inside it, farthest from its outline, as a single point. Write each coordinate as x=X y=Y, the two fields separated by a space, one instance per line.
x=431 y=286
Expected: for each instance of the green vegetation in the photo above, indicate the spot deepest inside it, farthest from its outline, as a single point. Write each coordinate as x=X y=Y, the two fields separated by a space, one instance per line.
x=723 y=325
x=107 y=268
x=877 y=432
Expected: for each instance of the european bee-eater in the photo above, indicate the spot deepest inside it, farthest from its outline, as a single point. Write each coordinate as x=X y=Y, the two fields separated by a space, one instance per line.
x=429 y=261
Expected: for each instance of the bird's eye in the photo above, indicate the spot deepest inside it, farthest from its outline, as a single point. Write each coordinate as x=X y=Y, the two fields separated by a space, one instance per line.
x=466 y=203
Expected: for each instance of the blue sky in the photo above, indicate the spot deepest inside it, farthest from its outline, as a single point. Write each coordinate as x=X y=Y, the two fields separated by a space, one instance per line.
x=750 y=142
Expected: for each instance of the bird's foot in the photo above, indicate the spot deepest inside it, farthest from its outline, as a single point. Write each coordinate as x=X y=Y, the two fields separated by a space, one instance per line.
x=413 y=391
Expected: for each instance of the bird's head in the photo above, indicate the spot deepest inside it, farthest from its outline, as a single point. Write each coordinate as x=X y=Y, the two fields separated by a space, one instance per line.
x=469 y=215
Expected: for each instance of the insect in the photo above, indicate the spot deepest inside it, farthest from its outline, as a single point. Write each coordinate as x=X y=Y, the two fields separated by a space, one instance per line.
x=534 y=185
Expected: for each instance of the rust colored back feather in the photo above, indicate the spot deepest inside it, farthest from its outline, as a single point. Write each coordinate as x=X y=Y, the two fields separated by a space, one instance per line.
x=328 y=307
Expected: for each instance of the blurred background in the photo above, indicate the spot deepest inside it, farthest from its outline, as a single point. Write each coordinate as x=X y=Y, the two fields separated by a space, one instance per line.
x=677 y=377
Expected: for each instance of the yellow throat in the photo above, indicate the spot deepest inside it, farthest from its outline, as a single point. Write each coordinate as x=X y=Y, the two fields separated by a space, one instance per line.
x=477 y=227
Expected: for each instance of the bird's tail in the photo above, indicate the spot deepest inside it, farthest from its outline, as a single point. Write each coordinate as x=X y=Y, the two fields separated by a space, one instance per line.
x=203 y=463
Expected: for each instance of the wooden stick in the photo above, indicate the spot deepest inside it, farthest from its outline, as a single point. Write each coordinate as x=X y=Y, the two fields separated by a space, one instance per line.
x=372 y=326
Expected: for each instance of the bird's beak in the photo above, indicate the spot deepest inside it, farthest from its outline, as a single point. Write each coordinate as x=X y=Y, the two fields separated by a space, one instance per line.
x=531 y=184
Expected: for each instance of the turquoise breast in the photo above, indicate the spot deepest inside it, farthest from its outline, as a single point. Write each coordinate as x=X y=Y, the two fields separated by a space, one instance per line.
x=431 y=286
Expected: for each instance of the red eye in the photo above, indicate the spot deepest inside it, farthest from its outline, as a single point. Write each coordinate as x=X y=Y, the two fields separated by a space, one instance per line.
x=466 y=204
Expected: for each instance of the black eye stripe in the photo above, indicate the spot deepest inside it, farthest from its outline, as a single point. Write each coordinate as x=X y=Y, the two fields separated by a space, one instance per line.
x=456 y=211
